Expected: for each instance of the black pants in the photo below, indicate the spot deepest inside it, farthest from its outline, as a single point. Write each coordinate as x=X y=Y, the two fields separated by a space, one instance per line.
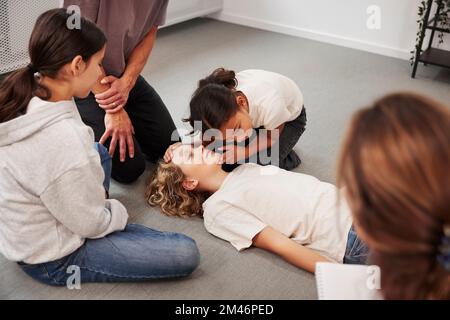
x=287 y=157
x=152 y=123
x=289 y=137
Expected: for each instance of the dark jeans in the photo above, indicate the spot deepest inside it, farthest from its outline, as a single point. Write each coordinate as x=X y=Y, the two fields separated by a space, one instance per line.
x=289 y=137
x=287 y=158
x=152 y=123
x=106 y=162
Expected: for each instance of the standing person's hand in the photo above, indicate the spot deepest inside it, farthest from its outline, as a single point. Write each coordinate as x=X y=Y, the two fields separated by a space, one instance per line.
x=116 y=97
x=119 y=127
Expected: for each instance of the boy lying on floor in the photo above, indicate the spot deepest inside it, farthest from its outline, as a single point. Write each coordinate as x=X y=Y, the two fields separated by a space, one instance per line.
x=293 y=215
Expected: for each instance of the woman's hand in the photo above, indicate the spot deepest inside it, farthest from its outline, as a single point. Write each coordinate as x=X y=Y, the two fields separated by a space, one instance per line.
x=116 y=97
x=168 y=156
x=119 y=127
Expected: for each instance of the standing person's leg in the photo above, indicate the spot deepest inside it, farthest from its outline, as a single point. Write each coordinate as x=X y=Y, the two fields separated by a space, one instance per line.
x=94 y=117
x=136 y=254
x=153 y=124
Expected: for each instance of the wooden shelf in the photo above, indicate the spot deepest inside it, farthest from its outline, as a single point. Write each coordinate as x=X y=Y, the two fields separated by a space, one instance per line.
x=436 y=57
x=433 y=56
x=438 y=29
x=434 y=18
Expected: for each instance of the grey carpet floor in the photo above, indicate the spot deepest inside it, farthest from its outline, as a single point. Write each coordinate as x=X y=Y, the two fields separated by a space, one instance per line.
x=336 y=81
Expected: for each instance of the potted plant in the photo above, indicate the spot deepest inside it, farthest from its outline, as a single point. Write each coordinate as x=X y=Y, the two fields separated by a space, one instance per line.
x=442 y=22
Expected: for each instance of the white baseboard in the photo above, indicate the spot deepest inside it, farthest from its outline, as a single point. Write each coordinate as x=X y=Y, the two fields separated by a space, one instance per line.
x=200 y=13
x=314 y=35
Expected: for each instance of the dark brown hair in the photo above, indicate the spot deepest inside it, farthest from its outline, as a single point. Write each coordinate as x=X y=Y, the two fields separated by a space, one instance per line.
x=214 y=101
x=52 y=45
x=395 y=165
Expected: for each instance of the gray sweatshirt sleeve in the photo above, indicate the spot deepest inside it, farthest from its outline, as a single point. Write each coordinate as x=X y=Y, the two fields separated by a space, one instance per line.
x=77 y=200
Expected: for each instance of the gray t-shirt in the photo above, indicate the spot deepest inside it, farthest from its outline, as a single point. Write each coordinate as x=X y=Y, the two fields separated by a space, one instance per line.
x=125 y=23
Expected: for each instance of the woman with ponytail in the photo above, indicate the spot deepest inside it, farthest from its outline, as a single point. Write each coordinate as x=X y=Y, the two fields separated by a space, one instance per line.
x=54 y=218
x=395 y=167
x=260 y=112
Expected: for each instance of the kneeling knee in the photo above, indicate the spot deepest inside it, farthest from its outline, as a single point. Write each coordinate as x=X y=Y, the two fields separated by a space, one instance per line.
x=128 y=173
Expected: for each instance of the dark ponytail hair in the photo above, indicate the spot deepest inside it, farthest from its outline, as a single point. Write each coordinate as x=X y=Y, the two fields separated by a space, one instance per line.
x=222 y=77
x=214 y=101
x=52 y=45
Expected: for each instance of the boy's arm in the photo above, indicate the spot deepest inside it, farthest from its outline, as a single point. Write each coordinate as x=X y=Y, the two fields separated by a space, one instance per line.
x=294 y=253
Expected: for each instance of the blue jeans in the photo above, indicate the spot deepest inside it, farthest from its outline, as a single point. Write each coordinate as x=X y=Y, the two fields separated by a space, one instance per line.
x=106 y=162
x=136 y=254
x=357 y=251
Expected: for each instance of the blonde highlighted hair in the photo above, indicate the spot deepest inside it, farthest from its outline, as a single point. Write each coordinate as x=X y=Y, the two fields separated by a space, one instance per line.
x=165 y=190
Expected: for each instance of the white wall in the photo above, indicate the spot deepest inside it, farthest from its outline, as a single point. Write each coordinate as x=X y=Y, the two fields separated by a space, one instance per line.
x=182 y=10
x=341 y=22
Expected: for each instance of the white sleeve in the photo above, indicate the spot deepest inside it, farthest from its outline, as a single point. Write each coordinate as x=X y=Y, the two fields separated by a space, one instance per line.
x=235 y=226
x=77 y=200
x=275 y=112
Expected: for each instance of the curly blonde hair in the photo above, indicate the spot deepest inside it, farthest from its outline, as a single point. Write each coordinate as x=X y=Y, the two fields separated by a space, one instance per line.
x=165 y=190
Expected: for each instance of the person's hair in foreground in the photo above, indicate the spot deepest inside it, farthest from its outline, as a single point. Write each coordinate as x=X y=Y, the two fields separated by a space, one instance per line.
x=395 y=165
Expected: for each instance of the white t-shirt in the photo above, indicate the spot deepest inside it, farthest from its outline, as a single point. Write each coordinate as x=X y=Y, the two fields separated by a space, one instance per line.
x=273 y=98
x=300 y=206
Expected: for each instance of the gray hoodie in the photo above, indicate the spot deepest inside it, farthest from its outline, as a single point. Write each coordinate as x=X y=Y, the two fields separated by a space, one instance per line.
x=51 y=192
